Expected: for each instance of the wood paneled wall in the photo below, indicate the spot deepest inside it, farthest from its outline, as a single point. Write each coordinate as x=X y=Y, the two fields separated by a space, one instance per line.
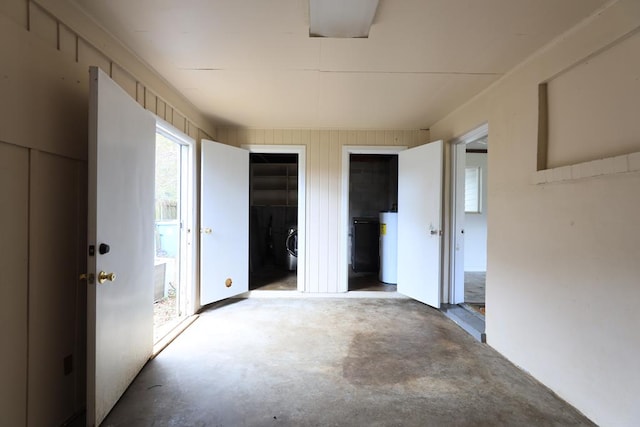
x=14 y=273
x=323 y=186
x=46 y=48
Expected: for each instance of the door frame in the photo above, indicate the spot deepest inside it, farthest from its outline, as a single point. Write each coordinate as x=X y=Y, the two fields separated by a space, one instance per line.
x=188 y=244
x=347 y=150
x=456 y=258
x=301 y=151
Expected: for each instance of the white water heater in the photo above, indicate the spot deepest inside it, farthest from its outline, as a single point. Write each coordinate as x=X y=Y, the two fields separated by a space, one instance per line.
x=389 y=247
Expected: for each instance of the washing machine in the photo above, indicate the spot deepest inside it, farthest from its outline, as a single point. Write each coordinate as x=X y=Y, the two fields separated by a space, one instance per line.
x=291 y=245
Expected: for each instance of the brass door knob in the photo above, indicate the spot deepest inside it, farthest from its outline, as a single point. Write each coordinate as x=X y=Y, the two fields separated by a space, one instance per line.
x=103 y=277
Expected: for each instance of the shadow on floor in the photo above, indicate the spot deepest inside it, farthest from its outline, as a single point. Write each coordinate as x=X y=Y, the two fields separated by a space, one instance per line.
x=369 y=283
x=333 y=361
x=271 y=278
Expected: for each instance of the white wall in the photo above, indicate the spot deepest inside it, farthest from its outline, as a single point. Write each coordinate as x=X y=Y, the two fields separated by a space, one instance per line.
x=608 y=97
x=475 y=224
x=562 y=268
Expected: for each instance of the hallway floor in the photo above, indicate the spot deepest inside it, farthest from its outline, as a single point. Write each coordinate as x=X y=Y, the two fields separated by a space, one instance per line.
x=333 y=362
x=474 y=286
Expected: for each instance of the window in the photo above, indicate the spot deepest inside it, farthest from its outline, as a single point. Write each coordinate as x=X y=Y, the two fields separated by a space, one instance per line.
x=472 y=190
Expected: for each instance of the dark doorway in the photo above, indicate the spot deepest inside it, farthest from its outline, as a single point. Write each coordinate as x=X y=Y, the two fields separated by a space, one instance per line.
x=373 y=188
x=273 y=220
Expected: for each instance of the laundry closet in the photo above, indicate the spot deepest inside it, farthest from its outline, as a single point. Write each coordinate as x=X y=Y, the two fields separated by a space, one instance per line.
x=273 y=221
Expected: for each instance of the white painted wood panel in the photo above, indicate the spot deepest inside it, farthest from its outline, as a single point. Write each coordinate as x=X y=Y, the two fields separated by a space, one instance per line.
x=333 y=221
x=150 y=100
x=14 y=229
x=53 y=287
x=140 y=94
x=322 y=223
x=100 y=40
x=179 y=121
x=31 y=90
x=16 y=10
x=43 y=25
x=420 y=222
x=313 y=212
x=67 y=42
x=168 y=113
x=121 y=215
x=224 y=222
x=192 y=130
x=124 y=80
x=88 y=56
x=161 y=108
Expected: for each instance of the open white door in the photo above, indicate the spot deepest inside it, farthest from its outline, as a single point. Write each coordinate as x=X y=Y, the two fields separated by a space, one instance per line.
x=224 y=221
x=457 y=241
x=120 y=237
x=420 y=222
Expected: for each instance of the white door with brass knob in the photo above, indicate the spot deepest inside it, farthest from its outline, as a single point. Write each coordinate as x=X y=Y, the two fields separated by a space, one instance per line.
x=419 y=222
x=120 y=234
x=224 y=215
x=103 y=277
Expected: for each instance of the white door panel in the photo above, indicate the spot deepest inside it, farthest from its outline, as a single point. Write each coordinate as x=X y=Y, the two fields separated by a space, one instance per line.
x=224 y=222
x=420 y=222
x=457 y=255
x=121 y=215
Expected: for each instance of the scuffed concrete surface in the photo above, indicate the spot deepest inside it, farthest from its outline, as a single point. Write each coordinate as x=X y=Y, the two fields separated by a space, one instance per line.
x=333 y=362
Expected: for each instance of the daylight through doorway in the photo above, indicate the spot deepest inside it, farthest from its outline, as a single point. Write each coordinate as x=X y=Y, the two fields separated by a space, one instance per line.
x=469 y=220
x=170 y=204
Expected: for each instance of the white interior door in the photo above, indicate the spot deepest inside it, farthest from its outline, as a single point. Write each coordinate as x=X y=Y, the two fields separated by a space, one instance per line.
x=457 y=241
x=120 y=215
x=224 y=222
x=420 y=222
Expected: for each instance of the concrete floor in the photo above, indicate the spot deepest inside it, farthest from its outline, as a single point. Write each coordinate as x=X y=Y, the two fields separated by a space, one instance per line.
x=333 y=362
x=277 y=279
x=272 y=278
x=474 y=286
x=368 y=282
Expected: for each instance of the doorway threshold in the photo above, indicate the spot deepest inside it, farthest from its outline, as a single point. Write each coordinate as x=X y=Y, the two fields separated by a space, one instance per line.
x=467 y=319
x=173 y=334
x=298 y=294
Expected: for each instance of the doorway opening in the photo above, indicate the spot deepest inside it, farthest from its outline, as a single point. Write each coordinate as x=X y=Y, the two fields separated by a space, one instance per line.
x=274 y=221
x=372 y=216
x=469 y=221
x=173 y=266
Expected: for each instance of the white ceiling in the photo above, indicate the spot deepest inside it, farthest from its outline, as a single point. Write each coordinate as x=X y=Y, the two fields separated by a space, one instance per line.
x=251 y=63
